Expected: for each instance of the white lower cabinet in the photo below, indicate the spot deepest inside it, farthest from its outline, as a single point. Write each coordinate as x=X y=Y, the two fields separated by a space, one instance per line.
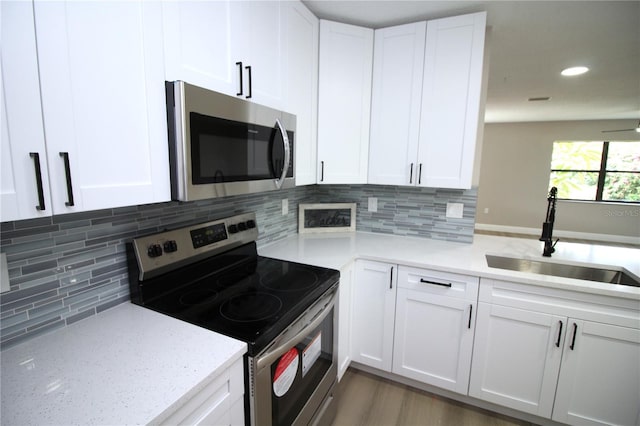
x=220 y=402
x=345 y=299
x=516 y=358
x=374 y=306
x=573 y=357
x=434 y=327
x=414 y=322
x=599 y=379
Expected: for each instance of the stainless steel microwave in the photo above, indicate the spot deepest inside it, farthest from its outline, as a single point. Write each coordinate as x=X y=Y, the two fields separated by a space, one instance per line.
x=220 y=145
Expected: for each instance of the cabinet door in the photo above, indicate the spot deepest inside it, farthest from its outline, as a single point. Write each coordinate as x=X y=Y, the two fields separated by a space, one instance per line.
x=395 y=104
x=599 y=381
x=259 y=27
x=345 y=300
x=374 y=300
x=21 y=118
x=516 y=358
x=302 y=87
x=199 y=44
x=438 y=351
x=344 y=100
x=102 y=82
x=451 y=96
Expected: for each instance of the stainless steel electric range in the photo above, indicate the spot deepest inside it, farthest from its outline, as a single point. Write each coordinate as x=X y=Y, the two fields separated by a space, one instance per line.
x=211 y=275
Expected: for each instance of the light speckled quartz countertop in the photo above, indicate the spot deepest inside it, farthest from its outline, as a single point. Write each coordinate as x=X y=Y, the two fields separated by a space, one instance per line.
x=126 y=365
x=335 y=250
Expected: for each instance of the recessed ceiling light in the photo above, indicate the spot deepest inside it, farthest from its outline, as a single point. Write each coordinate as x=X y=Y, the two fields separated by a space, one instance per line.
x=574 y=71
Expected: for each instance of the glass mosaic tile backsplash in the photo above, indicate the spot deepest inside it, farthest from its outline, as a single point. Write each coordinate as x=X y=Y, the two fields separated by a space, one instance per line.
x=65 y=268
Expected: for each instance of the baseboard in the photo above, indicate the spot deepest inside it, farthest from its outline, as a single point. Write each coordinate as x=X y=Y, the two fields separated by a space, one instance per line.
x=559 y=233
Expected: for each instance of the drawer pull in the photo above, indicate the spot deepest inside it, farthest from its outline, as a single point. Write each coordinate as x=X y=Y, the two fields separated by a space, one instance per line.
x=391 y=279
x=39 y=187
x=559 y=335
x=575 y=332
x=422 y=280
x=470 y=310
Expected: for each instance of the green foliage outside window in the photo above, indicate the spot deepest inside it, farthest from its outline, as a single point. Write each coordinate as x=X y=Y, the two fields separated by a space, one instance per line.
x=580 y=171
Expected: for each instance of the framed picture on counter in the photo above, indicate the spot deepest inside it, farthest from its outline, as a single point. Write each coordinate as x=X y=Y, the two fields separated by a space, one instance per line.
x=323 y=217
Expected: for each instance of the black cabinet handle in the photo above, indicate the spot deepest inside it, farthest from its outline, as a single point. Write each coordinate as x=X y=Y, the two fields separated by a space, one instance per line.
x=391 y=279
x=248 y=68
x=559 y=335
x=422 y=280
x=470 y=311
x=36 y=165
x=411 y=174
x=322 y=171
x=575 y=332
x=67 y=172
x=420 y=174
x=239 y=64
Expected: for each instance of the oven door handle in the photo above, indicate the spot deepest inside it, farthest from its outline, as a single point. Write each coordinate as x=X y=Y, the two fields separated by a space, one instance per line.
x=272 y=354
x=287 y=154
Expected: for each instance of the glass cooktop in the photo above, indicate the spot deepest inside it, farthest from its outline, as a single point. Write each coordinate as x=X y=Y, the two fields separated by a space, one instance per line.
x=239 y=294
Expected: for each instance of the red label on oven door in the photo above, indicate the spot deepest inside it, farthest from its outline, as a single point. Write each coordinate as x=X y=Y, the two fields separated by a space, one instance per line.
x=285 y=372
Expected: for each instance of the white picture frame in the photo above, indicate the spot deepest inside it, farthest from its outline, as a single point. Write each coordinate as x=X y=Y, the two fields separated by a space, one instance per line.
x=326 y=217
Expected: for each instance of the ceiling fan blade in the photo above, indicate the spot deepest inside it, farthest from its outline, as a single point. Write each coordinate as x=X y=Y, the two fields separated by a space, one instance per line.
x=619 y=130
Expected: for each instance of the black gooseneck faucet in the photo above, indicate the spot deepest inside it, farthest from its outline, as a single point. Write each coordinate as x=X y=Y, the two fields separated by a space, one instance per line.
x=547 y=226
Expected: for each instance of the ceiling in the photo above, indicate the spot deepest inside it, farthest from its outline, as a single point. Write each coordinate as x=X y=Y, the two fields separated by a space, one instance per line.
x=529 y=43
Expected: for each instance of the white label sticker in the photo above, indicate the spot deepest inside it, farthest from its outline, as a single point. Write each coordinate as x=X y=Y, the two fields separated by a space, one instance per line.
x=285 y=373
x=311 y=353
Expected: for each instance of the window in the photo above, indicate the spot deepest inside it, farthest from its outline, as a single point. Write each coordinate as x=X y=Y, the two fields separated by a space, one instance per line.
x=597 y=171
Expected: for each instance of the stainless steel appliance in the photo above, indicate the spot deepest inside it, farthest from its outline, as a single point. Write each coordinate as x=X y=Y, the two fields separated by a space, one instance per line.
x=211 y=275
x=220 y=145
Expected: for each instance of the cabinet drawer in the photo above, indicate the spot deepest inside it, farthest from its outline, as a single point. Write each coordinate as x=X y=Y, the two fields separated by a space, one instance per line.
x=440 y=283
x=214 y=402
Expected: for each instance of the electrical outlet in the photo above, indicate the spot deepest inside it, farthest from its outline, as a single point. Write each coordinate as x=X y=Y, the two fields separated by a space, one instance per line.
x=486 y=210
x=285 y=206
x=373 y=204
x=454 y=210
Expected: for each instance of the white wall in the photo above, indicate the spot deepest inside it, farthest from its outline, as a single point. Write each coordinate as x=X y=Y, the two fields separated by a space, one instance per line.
x=514 y=178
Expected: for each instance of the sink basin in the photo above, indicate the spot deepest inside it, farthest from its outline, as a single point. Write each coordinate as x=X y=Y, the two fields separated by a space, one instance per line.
x=602 y=275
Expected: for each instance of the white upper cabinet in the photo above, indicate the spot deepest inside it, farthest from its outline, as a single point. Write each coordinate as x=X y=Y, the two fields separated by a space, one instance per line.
x=233 y=47
x=198 y=44
x=395 y=104
x=22 y=137
x=302 y=33
x=346 y=59
x=103 y=102
x=426 y=107
x=450 y=118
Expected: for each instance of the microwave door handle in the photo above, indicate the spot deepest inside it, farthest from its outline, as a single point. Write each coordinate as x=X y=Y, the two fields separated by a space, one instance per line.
x=287 y=154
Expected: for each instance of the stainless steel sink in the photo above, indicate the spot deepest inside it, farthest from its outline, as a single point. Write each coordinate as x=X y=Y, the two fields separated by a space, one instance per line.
x=613 y=276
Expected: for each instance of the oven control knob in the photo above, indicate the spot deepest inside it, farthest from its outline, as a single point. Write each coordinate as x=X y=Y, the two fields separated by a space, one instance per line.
x=251 y=224
x=154 y=250
x=233 y=229
x=242 y=226
x=170 y=246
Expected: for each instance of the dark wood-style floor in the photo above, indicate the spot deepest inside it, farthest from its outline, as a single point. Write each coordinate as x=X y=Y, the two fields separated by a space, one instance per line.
x=367 y=400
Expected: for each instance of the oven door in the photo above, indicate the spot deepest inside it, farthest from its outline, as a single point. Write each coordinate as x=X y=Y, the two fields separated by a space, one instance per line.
x=294 y=378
